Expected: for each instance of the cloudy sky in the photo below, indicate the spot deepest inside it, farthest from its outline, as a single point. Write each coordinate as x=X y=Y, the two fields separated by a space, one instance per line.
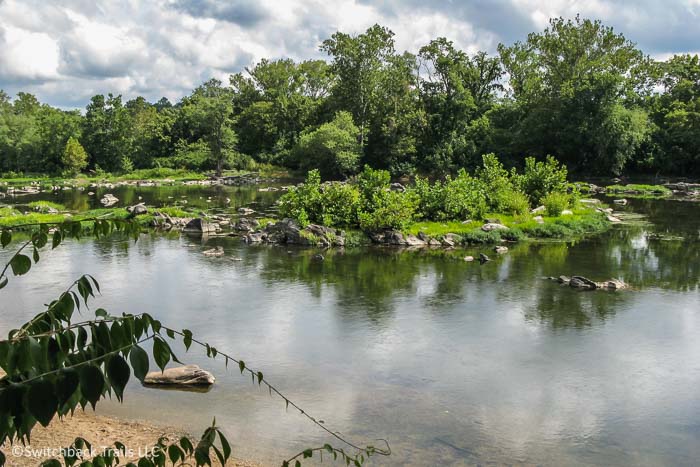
x=65 y=51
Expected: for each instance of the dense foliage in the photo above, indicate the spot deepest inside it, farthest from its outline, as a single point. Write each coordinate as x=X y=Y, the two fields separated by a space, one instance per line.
x=371 y=202
x=577 y=91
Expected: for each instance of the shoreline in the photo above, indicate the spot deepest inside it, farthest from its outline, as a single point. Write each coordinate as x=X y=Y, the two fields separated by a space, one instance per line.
x=101 y=431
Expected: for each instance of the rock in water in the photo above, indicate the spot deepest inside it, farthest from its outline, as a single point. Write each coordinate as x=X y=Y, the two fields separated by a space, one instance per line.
x=483 y=258
x=468 y=258
x=137 y=210
x=218 y=251
x=580 y=282
x=109 y=200
x=621 y=202
x=200 y=226
x=188 y=375
x=501 y=249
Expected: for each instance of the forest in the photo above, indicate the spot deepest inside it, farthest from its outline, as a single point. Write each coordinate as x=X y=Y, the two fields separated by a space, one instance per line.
x=578 y=91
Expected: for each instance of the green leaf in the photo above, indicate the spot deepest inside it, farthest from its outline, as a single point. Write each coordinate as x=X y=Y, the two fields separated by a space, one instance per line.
x=161 y=353
x=241 y=365
x=20 y=264
x=56 y=239
x=225 y=446
x=187 y=339
x=92 y=383
x=174 y=453
x=66 y=384
x=139 y=361
x=5 y=238
x=41 y=401
x=260 y=377
x=3 y=281
x=35 y=255
x=118 y=372
x=101 y=313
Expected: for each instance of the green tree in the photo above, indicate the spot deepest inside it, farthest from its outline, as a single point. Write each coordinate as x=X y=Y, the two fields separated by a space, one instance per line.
x=74 y=156
x=571 y=85
x=333 y=148
x=107 y=132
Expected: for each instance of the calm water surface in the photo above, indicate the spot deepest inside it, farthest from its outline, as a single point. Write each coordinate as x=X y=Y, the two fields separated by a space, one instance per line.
x=452 y=363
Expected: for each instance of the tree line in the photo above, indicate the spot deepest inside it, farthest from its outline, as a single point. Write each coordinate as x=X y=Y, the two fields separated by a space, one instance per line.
x=578 y=91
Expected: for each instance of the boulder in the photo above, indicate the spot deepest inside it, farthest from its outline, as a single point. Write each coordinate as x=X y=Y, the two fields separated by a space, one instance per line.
x=451 y=239
x=245 y=211
x=246 y=224
x=412 y=240
x=483 y=258
x=612 y=284
x=216 y=252
x=187 y=375
x=491 y=226
x=612 y=218
x=254 y=237
x=109 y=200
x=564 y=279
x=538 y=210
x=469 y=259
x=397 y=187
x=580 y=282
x=591 y=201
x=199 y=226
x=500 y=249
x=620 y=202
x=137 y=210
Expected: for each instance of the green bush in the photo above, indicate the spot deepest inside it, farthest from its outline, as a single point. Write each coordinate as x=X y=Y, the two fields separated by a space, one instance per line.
x=512 y=202
x=391 y=210
x=339 y=203
x=555 y=203
x=540 y=178
x=465 y=197
x=303 y=202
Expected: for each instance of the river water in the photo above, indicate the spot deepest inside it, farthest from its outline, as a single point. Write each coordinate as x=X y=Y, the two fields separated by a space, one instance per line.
x=452 y=362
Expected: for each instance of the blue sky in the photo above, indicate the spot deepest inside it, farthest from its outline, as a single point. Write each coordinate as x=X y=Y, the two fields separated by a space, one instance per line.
x=66 y=51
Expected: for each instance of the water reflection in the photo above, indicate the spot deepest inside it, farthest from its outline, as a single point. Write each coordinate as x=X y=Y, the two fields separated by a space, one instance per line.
x=453 y=362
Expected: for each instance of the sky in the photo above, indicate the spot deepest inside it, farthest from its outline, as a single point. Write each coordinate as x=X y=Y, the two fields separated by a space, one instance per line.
x=65 y=51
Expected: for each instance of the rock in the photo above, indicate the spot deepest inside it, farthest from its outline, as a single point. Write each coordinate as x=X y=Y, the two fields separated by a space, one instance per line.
x=621 y=202
x=318 y=257
x=450 y=239
x=397 y=187
x=567 y=212
x=109 y=200
x=580 y=282
x=612 y=284
x=188 y=375
x=612 y=218
x=468 y=221
x=538 y=219
x=483 y=258
x=501 y=249
x=199 y=226
x=216 y=252
x=412 y=240
x=564 y=279
x=137 y=210
x=592 y=201
x=254 y=237
x=245 y=211
x=490 y=226
x=468 y=259
x=538 y=210
x=246 y=224
x=91 y=193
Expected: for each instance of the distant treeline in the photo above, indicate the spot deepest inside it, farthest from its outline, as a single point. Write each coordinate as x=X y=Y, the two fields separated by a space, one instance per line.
x=578 y=91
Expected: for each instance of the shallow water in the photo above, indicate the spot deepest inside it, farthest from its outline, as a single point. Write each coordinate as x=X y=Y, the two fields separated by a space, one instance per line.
x=453 y=363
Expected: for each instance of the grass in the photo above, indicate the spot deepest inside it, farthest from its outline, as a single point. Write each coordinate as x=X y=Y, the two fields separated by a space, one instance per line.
x=44 y=205
x=639 y=189
x=582 y=221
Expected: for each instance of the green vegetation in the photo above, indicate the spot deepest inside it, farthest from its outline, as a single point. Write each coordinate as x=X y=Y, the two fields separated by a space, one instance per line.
x=635 y=189
x=453 y=205
x=577 y=91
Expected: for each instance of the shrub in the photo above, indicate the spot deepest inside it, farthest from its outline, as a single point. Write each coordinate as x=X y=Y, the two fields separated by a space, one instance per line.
x=303 y=202
x=555 y=203
x=339 y=203
x=540 y=178
x=431 y=198
x=496 y=180
x=465 y=197
x=512 y=202
x=391 y=210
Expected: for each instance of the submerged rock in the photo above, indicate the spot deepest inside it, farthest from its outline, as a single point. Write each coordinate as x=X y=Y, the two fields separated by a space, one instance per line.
x=199 y=226
x=246 y=224
x=109 y=200
x=216 y=252
x=137 y=210
x=188 y=375
x=500 y=249
x=483 y=258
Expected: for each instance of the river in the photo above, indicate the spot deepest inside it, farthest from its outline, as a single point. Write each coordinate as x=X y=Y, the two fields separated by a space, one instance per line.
x=452 y=362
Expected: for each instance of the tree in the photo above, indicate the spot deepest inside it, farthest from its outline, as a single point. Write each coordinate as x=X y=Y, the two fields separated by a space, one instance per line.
x=570 y=85
x=333 y=148
x=207 y=115
x=107 y=132
x=74 y=156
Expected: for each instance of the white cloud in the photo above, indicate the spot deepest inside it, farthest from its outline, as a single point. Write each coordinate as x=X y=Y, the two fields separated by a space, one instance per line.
x=66 y=52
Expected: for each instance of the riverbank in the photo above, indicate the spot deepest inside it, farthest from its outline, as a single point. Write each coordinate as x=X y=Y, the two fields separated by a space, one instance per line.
x=101 y=431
